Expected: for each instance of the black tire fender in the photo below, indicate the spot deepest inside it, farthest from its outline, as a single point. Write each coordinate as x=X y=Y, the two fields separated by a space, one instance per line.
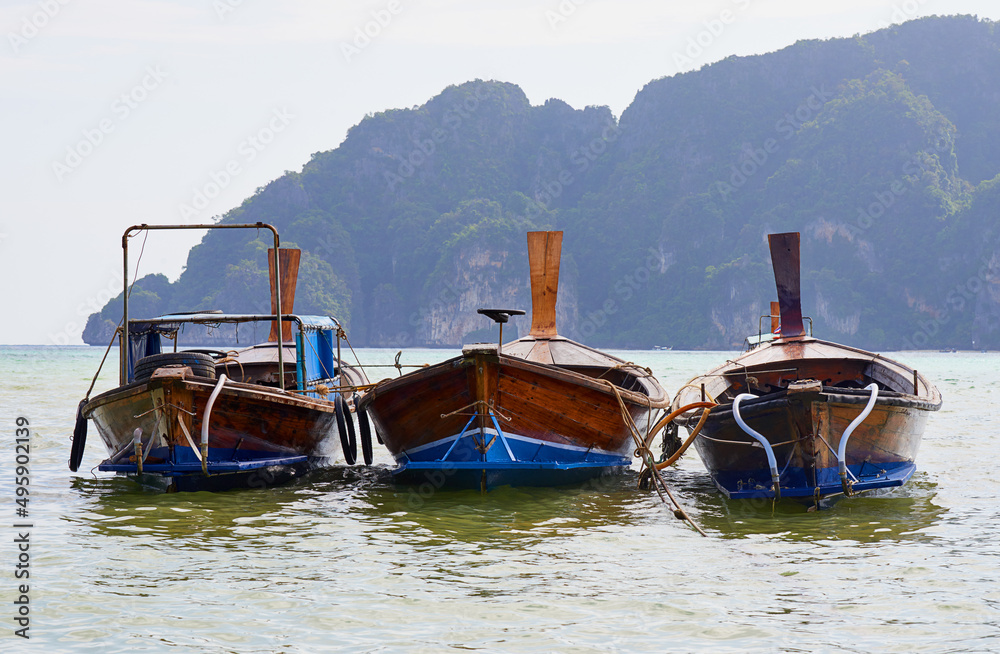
x=345 y=425
x=365 y=429
x=202 y=365
x=79 y=438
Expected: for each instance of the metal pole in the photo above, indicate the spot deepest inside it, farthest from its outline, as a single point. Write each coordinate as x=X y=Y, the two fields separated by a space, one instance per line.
x=278 y=314
x=123 y=348
x=277 y=307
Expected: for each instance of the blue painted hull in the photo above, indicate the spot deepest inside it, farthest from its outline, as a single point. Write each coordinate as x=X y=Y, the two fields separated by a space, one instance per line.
x=257 y=436
x=485 y=420
x=796 y=482
x=226 y=470
x=509 y=459
x=804 y=431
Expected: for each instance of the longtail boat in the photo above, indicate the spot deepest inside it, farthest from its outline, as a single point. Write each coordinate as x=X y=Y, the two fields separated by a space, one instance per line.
x=541 y=410
x=200 y=419
x=802 y=417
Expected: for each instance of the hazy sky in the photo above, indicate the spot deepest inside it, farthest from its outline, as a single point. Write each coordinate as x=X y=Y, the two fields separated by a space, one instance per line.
x=117 y=112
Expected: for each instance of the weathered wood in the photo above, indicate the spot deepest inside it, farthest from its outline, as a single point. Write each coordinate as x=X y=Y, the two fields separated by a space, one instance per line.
x=542 y=402
x=806 y=393
x=265 y=420
x=785 y=261
x=289 y=277
x=552 y=401
x=544 y=251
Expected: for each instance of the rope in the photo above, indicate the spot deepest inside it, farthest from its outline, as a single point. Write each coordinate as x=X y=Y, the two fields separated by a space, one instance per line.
x=708 y=398
x=480 y=405
x=338 y=389
x=754 y=443
x=233 y=357
x=683 y=448
x=674 y=414
x=342 y=333
x=647 y=458
x=103 y=359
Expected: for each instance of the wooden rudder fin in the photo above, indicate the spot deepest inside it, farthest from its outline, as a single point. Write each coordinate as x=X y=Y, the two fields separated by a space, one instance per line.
x=544 y=252
x=785 y=261
x=289 y=278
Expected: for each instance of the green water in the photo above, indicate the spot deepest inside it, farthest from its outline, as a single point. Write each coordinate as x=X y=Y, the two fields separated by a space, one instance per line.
x=344 y=561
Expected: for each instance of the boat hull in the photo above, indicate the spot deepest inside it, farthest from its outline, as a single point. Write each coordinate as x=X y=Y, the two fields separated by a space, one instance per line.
x=804 y=431
x=484 y=420
x=257 y=436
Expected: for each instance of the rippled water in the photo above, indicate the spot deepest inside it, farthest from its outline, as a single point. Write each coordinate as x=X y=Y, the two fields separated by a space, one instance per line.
x=344 y=561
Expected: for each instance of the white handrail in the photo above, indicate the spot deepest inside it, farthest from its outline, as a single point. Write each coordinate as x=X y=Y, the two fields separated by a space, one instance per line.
x=205 y=418
x=842 y=448
x=771 y=461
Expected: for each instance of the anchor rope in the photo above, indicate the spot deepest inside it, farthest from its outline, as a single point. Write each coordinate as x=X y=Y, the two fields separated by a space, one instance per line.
x=647 y=458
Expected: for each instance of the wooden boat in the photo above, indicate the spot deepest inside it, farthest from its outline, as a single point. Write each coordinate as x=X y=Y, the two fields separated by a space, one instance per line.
x=802 y=417
x=212 y=419
x=542 y=410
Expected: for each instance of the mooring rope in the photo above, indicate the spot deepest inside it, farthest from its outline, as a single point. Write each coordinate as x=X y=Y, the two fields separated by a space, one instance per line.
x=647 y=458
x=103 y=359
x=683 y=448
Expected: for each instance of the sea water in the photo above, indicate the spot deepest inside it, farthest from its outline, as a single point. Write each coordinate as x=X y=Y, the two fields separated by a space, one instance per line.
x=345 y=561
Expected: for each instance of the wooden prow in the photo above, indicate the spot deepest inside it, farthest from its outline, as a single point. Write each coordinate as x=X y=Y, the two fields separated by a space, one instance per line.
x=289 y=277
x=544 y=251
x=785 y=261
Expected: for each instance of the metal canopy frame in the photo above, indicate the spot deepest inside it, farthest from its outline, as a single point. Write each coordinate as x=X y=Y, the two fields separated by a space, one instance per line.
x=135 y=229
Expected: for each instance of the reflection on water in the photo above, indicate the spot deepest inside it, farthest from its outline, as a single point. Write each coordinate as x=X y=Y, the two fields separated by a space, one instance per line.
x=506 y=517
x=897 y=514
x=346 y=560
x=120 y=507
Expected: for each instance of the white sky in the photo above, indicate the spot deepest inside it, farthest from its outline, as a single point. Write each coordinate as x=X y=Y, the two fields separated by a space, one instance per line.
x=218 y=72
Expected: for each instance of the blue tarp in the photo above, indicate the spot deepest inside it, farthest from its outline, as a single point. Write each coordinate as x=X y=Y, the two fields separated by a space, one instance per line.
x=315 y=348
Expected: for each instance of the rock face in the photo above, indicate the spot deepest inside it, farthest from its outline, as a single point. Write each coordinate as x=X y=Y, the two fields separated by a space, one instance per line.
x=476 y=279
x=484 y=276
x=883 y=150
x=986 y=324
x=98 y=330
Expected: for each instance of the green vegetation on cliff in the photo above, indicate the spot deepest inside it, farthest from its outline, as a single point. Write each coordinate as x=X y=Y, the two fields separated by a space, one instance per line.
x=883 y=150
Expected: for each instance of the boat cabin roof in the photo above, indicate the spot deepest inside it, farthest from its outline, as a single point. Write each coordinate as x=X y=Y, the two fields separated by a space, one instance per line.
x=805 y=358
x=172 y=322
x=564 y=353
x=559 y=351
x=312 y=353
